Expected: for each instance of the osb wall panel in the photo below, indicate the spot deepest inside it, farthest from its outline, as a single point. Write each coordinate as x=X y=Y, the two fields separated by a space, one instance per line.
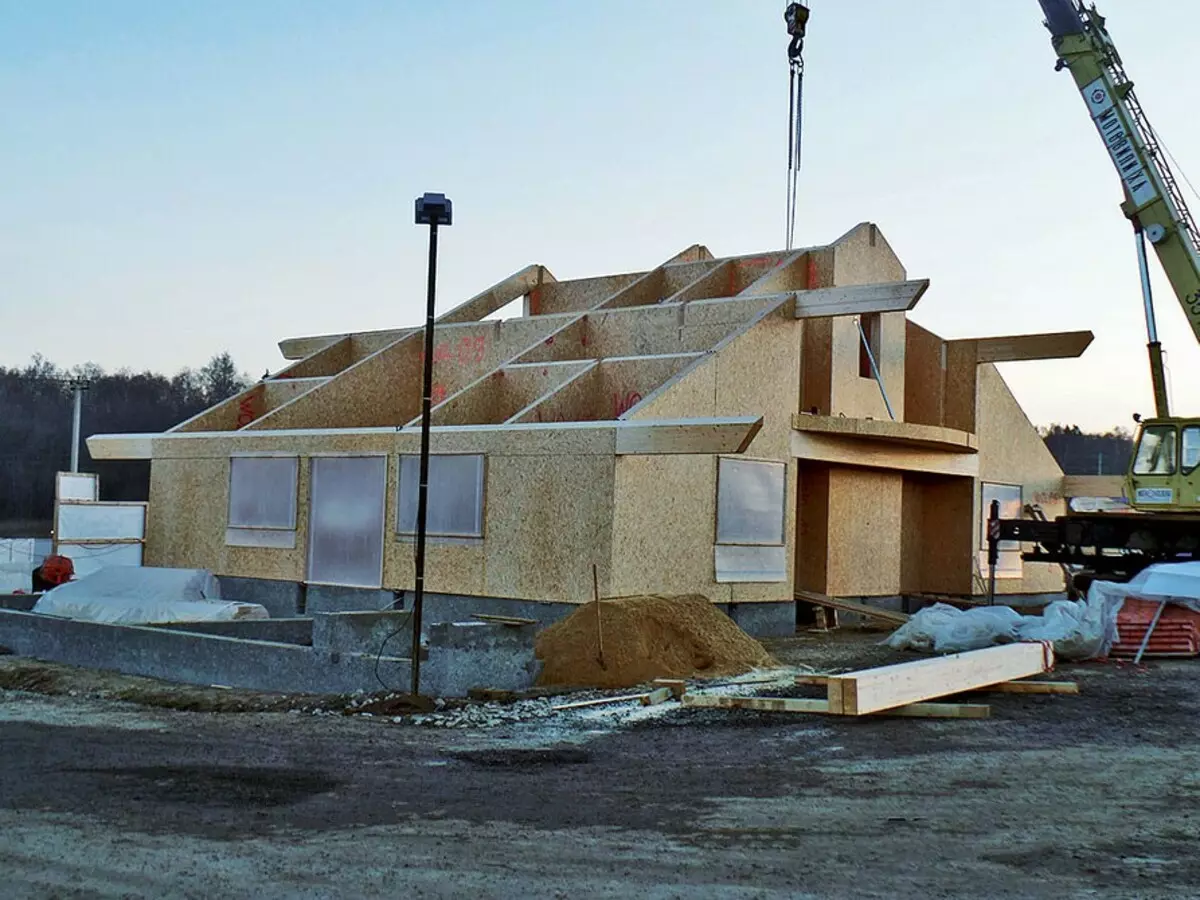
x=864 y=532
x=664 y=518
x=716 y=281
x=924 y=377
x=578 y=294
x=936 y=534
x=863 y=256
x=230 y=414
x=854 y=395
x=812 y=527
x=188 y=514
x=1011 y=452
x=816 y=371
x=692 y=394
x=548 y=521
x=725 y=310
x=791 y=274
x=961 y=380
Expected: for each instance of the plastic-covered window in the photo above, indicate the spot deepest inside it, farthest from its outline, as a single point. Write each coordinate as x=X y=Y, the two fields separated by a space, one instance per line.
x=455 y=496
x=346 y=523
x=1156 y=451
x=262 y=492
x=750 y=498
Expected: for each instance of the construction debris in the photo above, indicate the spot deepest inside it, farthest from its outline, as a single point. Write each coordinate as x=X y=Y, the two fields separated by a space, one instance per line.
x=805 y=705
x=886 y=616
x=646 y=638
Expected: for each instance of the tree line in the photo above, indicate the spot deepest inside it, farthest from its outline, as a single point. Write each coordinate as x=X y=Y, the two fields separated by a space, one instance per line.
x=36 y=411
x=1086 y=453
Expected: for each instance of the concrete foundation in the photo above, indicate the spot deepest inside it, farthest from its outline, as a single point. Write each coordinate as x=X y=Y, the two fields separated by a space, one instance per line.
x=458 y=656
x=363 y=632
x=282 y=599
x=458 y=608
x=327 y=598
x=763 y=619
x=281 y=631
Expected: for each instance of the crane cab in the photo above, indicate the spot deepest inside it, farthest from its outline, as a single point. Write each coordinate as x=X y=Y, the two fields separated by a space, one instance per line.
x=1164 y=473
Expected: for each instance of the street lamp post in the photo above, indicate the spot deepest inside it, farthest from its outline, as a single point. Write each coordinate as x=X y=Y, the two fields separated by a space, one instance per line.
x=432 y=210
x=78 y=385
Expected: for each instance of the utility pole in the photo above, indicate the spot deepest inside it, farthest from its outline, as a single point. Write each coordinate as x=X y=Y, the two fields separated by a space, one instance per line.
x=432 y=210
x=78 y=385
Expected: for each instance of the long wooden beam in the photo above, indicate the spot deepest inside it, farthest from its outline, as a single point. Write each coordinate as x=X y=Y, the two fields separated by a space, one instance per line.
x=805 y=705
x=853 y=300
x=889 y=616
x=1019 y=347
x=873 y=690
x=710 y=435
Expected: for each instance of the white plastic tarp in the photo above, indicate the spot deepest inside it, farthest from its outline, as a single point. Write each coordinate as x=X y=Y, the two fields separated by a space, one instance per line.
x=129 y=595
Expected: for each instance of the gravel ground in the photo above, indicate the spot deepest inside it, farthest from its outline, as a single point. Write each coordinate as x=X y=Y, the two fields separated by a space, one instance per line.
x=1054 y=796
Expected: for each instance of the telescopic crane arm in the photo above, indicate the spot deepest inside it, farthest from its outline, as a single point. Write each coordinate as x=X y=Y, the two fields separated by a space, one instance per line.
x=1153 y=201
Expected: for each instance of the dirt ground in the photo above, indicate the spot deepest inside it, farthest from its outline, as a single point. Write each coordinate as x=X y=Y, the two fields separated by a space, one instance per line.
x=1054 y=796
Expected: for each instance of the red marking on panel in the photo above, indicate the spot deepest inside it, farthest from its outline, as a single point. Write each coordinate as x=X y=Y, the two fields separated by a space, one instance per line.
x=622 y=405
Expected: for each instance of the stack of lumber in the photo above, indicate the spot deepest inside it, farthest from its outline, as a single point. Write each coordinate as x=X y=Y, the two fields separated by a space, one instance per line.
x=905 y=688
x=1177 y=632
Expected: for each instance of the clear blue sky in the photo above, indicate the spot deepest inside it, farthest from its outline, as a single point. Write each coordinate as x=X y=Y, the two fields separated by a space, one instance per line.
x=182 y=178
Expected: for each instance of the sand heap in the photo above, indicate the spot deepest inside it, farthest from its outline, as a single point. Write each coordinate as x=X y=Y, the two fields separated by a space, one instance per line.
x=646 y=638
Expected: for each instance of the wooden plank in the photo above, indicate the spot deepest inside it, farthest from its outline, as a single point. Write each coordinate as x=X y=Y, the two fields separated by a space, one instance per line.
x=1016 y=347
x=908 y=434
x=884 y=615
x=504 y=620
x=677 y=686
x=853 y=300
x=803 y=705
x=849 y=450
x=715 y=435
x=603 y=701
x=657 y=696
x=1034 y=687
x=873 y=690
x=1006 y=687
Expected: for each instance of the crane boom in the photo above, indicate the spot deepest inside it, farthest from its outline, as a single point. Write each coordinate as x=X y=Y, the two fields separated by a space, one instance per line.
x=1153 y=200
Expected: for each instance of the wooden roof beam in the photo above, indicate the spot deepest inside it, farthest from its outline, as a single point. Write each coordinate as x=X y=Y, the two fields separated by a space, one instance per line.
x=1020 y=347
x=853 y=300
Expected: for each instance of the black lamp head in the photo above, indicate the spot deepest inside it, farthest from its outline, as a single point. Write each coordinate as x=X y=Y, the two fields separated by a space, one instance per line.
x=433 y=209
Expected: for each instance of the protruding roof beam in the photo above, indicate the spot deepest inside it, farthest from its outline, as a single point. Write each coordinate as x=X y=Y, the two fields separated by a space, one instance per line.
x=1019 y=347
x=853 y=300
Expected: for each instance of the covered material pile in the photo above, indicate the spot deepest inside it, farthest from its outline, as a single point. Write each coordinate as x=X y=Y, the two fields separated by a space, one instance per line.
x=645 y=638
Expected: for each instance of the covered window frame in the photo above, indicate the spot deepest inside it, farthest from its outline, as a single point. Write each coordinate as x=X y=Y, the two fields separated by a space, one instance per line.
x=477 y=532
x=277 y=534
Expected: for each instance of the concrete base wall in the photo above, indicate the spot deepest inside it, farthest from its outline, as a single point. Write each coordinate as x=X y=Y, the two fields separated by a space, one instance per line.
x=282 y=599
x=458 y=657
x=763 y=619
x=459 y=608
x=281 y=631
x=363 y=632
x=327 y=598
x=193 y=658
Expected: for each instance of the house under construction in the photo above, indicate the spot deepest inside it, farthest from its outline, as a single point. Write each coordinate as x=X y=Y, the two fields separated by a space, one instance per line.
x=734 y=427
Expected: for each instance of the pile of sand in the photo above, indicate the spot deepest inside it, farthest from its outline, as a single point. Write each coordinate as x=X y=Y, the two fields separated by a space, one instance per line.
x=646 y=638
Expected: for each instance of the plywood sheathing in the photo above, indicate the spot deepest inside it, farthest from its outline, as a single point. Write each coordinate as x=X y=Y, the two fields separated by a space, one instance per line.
x=694 y=253
x=1050 y=345
x=924 y=376
x=736 y=375
x=1011 y=452
x=484 y=304
x=550 y=520
x=186 y=521
x=715 y=281
x=876 y=454
x=789 y=274
x=816 y=373
x=577 y=295
x=327 y=361
x=812 y=527
x=935 y=537
x=909 y=434
x=864 y=530
x=385 y=388
x=502 y=394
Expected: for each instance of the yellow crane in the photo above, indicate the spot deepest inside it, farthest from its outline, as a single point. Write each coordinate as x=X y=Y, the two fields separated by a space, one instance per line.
x=1164 y=472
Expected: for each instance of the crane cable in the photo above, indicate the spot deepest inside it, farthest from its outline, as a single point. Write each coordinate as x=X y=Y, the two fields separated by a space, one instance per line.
x=796 y=18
